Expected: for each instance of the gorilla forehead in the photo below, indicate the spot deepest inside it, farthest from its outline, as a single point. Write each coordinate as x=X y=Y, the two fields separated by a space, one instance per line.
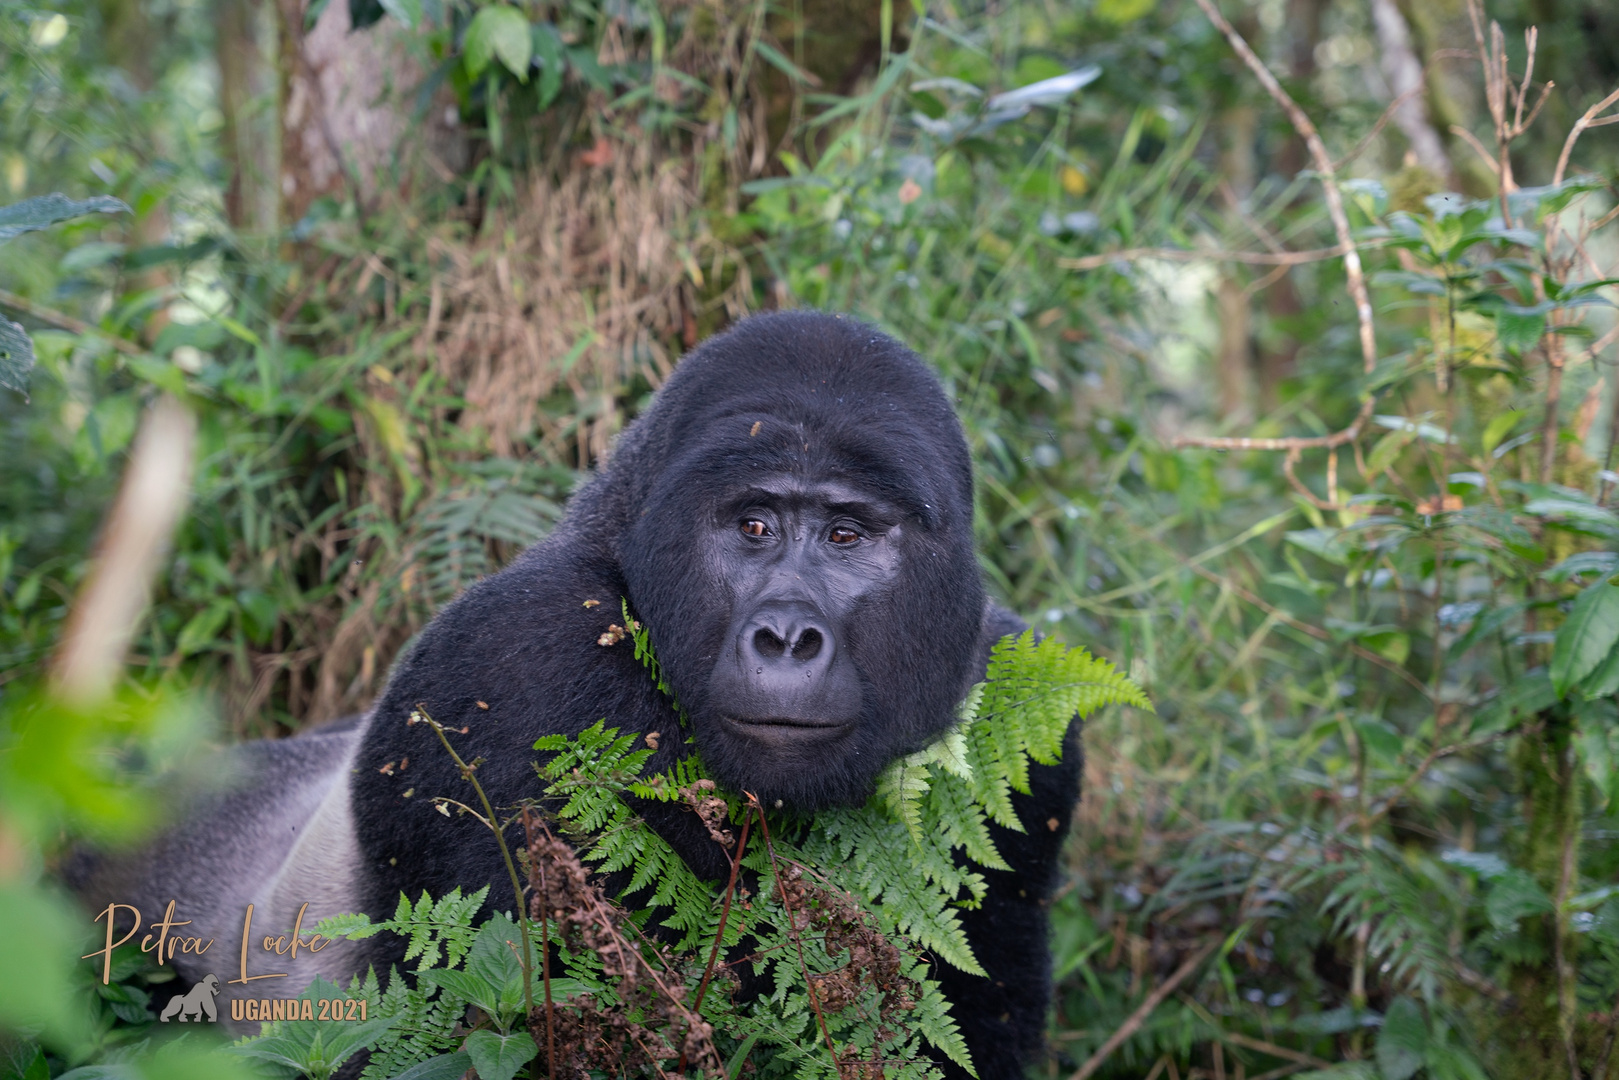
x=833 y=398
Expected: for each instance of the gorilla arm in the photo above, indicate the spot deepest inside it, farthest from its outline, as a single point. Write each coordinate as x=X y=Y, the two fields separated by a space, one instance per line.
x=1003 y=1015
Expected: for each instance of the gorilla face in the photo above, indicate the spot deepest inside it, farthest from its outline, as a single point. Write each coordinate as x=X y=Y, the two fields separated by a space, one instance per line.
x=800 y=560
x=798 y=538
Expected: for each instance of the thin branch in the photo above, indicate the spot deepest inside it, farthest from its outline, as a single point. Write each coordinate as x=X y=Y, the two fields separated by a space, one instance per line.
x=1133 y=1023
x=792 y=930
x=1382 y=122
x=1587 y=121
x=1329 y=179
x=1478 y=147
x=55 y=318
x=1290 y=442
x=725 y=913
x=1252 y=258
x=468 y=773
x=1601 y=1071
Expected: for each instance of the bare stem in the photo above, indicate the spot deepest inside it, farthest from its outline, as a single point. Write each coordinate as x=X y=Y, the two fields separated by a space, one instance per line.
x=468 y=773
x=792 y=929
x=1133 y=1022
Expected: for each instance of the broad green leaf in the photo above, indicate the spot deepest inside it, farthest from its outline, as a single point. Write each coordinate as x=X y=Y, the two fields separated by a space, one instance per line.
x=1604 y=678
x=1586 y=636
x=1571 y=509
x=1518 y=331
x=1402 y=1044
x=1513 y=896
x=1596 y=748
x=1327 y=544
x=498 y=1057
x=47 y=210
x=548 y=46
x=498 y=32
x=16 y=356
x=1387 y=450
x=444 y=1067
x=1379 y=737
x=1498 y=428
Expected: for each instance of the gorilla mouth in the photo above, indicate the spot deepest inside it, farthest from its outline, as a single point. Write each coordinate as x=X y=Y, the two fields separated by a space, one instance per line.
x=783 y=725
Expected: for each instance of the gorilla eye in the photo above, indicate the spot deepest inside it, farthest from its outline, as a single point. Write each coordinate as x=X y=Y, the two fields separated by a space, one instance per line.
x=842 y=535
x=755 y=527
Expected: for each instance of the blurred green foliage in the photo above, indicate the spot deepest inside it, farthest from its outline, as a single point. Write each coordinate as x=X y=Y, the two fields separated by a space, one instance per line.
x=1381 y=771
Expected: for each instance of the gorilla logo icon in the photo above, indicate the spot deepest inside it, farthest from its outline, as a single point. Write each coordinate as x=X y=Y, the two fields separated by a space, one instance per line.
x=198 y=1000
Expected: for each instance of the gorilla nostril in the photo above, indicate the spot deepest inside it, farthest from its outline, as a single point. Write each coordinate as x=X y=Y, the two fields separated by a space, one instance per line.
x=808 y=646
x=767 y=644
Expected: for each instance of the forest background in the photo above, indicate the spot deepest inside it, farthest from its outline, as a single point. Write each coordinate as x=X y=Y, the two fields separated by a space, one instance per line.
x=395 y=272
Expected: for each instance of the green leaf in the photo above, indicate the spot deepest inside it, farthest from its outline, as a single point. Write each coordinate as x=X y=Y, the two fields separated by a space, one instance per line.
x=444 y=1067
x=548 y=46
x=16 y=356
x=315 y=1047
x=1498 y=428
x=1586 y=636
x=47 y=210
x=1123 y=11
x=202 y=628
x=22 y=1060
x=1387 y=450
x=1513 y=896
x=1571 y=509
x=1518 y=330
x=1604 y=679
x=1595 y=742
x=408 y=12
x=733 y=1068
x=1379 y=737
x=1391 y=644
x=1402 y=1044
x=498 y=1057
x=498 y=32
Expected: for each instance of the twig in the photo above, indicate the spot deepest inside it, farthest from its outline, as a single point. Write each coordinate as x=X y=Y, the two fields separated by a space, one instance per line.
x=538 y=866
x=1329 y=179
x=725 y=912
x=67 y=322
x=1352 y=267
x=1478 y=147
x=1133 y=1023
x=1587 y=121
x=468 y=774
x=1239 y=1039
x=1382 y=122
x=792 y=928
x=1250 y=258
x=1601 y=1071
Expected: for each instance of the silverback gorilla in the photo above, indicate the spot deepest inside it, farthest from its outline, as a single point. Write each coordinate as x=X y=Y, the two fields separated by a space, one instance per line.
x=792 y=518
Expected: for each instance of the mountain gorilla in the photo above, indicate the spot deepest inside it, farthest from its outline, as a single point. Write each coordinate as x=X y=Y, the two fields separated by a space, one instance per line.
x=792 y=519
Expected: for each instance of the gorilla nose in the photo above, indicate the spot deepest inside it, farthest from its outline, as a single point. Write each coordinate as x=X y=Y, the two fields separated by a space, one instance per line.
x=786 y=642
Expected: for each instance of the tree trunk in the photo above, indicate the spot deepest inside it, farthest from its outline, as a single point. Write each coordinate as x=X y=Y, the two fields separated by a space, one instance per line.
x=129 y=40
x=248 y=141
x=1404 y=73
x=348 y=117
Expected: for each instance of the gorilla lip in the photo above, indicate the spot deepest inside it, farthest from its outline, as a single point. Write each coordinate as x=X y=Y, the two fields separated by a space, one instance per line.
x=778 y=723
